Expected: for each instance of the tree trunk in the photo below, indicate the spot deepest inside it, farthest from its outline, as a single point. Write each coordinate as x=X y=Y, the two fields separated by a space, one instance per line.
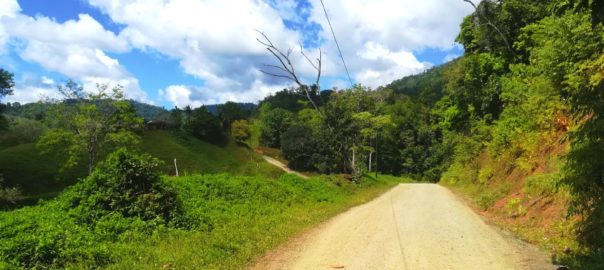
x=90 y=161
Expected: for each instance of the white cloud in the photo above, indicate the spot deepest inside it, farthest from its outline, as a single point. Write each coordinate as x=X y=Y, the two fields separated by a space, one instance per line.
x=215 y=41
x=8 y=9
x=85 y=32
x=75 y=48
x=32 y=93
x=183 y=95
x=378 y=37
x=384 y=66
x=47 y=81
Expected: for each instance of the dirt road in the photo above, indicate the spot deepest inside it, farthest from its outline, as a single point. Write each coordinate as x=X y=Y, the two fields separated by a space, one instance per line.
x=282 y=166
x=412 y=226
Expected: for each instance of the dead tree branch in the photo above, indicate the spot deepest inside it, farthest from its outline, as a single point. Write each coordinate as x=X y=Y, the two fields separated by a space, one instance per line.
x=288 y=71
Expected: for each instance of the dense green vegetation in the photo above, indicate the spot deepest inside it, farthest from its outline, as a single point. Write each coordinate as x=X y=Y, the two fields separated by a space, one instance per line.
x=123 y=216
x=515 y=124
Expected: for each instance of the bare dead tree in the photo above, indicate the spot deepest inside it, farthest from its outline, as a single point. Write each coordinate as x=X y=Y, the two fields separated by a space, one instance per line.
x=287 y=70
x=491 y=24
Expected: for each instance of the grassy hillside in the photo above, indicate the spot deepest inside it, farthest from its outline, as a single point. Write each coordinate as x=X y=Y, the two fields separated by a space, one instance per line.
x=195 y=156
x=38 y=175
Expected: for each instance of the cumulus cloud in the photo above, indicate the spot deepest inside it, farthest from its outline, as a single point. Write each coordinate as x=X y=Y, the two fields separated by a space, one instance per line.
x=75 y=48
x=384 y=66
x=186 y=95
x=8 y=9
x=215 y=41
x=378 y=37
x=31 y=93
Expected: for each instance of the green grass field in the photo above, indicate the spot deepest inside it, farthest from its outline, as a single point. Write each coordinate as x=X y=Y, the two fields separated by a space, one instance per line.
x=194 y=156
x=38 y=175
x=34 y=173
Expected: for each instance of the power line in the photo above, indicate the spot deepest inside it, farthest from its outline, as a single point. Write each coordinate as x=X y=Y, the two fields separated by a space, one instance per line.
x=337 y=45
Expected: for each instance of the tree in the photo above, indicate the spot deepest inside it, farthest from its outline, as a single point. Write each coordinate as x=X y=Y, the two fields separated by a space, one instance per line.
x=86 y=125
x=273 y=124
x=230 y=112
x=6 y=83
x=203 y=124
x=126 y=183
x=300 y=148
x=176 y=118
x=6 y=88
x=240 y=130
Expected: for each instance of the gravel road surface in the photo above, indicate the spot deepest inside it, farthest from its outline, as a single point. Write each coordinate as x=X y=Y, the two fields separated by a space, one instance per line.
x=412 y=226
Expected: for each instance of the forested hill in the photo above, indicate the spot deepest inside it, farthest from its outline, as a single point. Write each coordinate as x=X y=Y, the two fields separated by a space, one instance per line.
x=515 y=124
x=426 y=87
x=148 y=112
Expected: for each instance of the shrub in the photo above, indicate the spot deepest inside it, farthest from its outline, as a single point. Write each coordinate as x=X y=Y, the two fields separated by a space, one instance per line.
x=486 y=199
x=515 y=208
x=540 y=184
x=126 y=183
x=484 y=174
x=123 y=200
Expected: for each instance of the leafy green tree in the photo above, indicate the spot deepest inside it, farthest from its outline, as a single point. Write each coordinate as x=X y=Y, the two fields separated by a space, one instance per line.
x=6 y=88
x=240 y=130
x=274 y=122
x=6 y=83
x=301 y=148
x=176 y=116
x=203 y=125
x=287 y=99
x=86 y=125
x=369 y=128
x=229 y=112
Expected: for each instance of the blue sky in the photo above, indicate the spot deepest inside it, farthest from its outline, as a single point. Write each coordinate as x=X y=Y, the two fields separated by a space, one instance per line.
x=204 y=51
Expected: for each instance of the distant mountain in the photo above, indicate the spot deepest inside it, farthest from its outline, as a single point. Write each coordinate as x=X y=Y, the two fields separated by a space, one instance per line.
x=149 y=112
x=426 y=87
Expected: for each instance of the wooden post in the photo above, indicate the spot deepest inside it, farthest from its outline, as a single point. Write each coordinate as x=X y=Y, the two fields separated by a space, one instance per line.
x=175 y=167
x=370 y=161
